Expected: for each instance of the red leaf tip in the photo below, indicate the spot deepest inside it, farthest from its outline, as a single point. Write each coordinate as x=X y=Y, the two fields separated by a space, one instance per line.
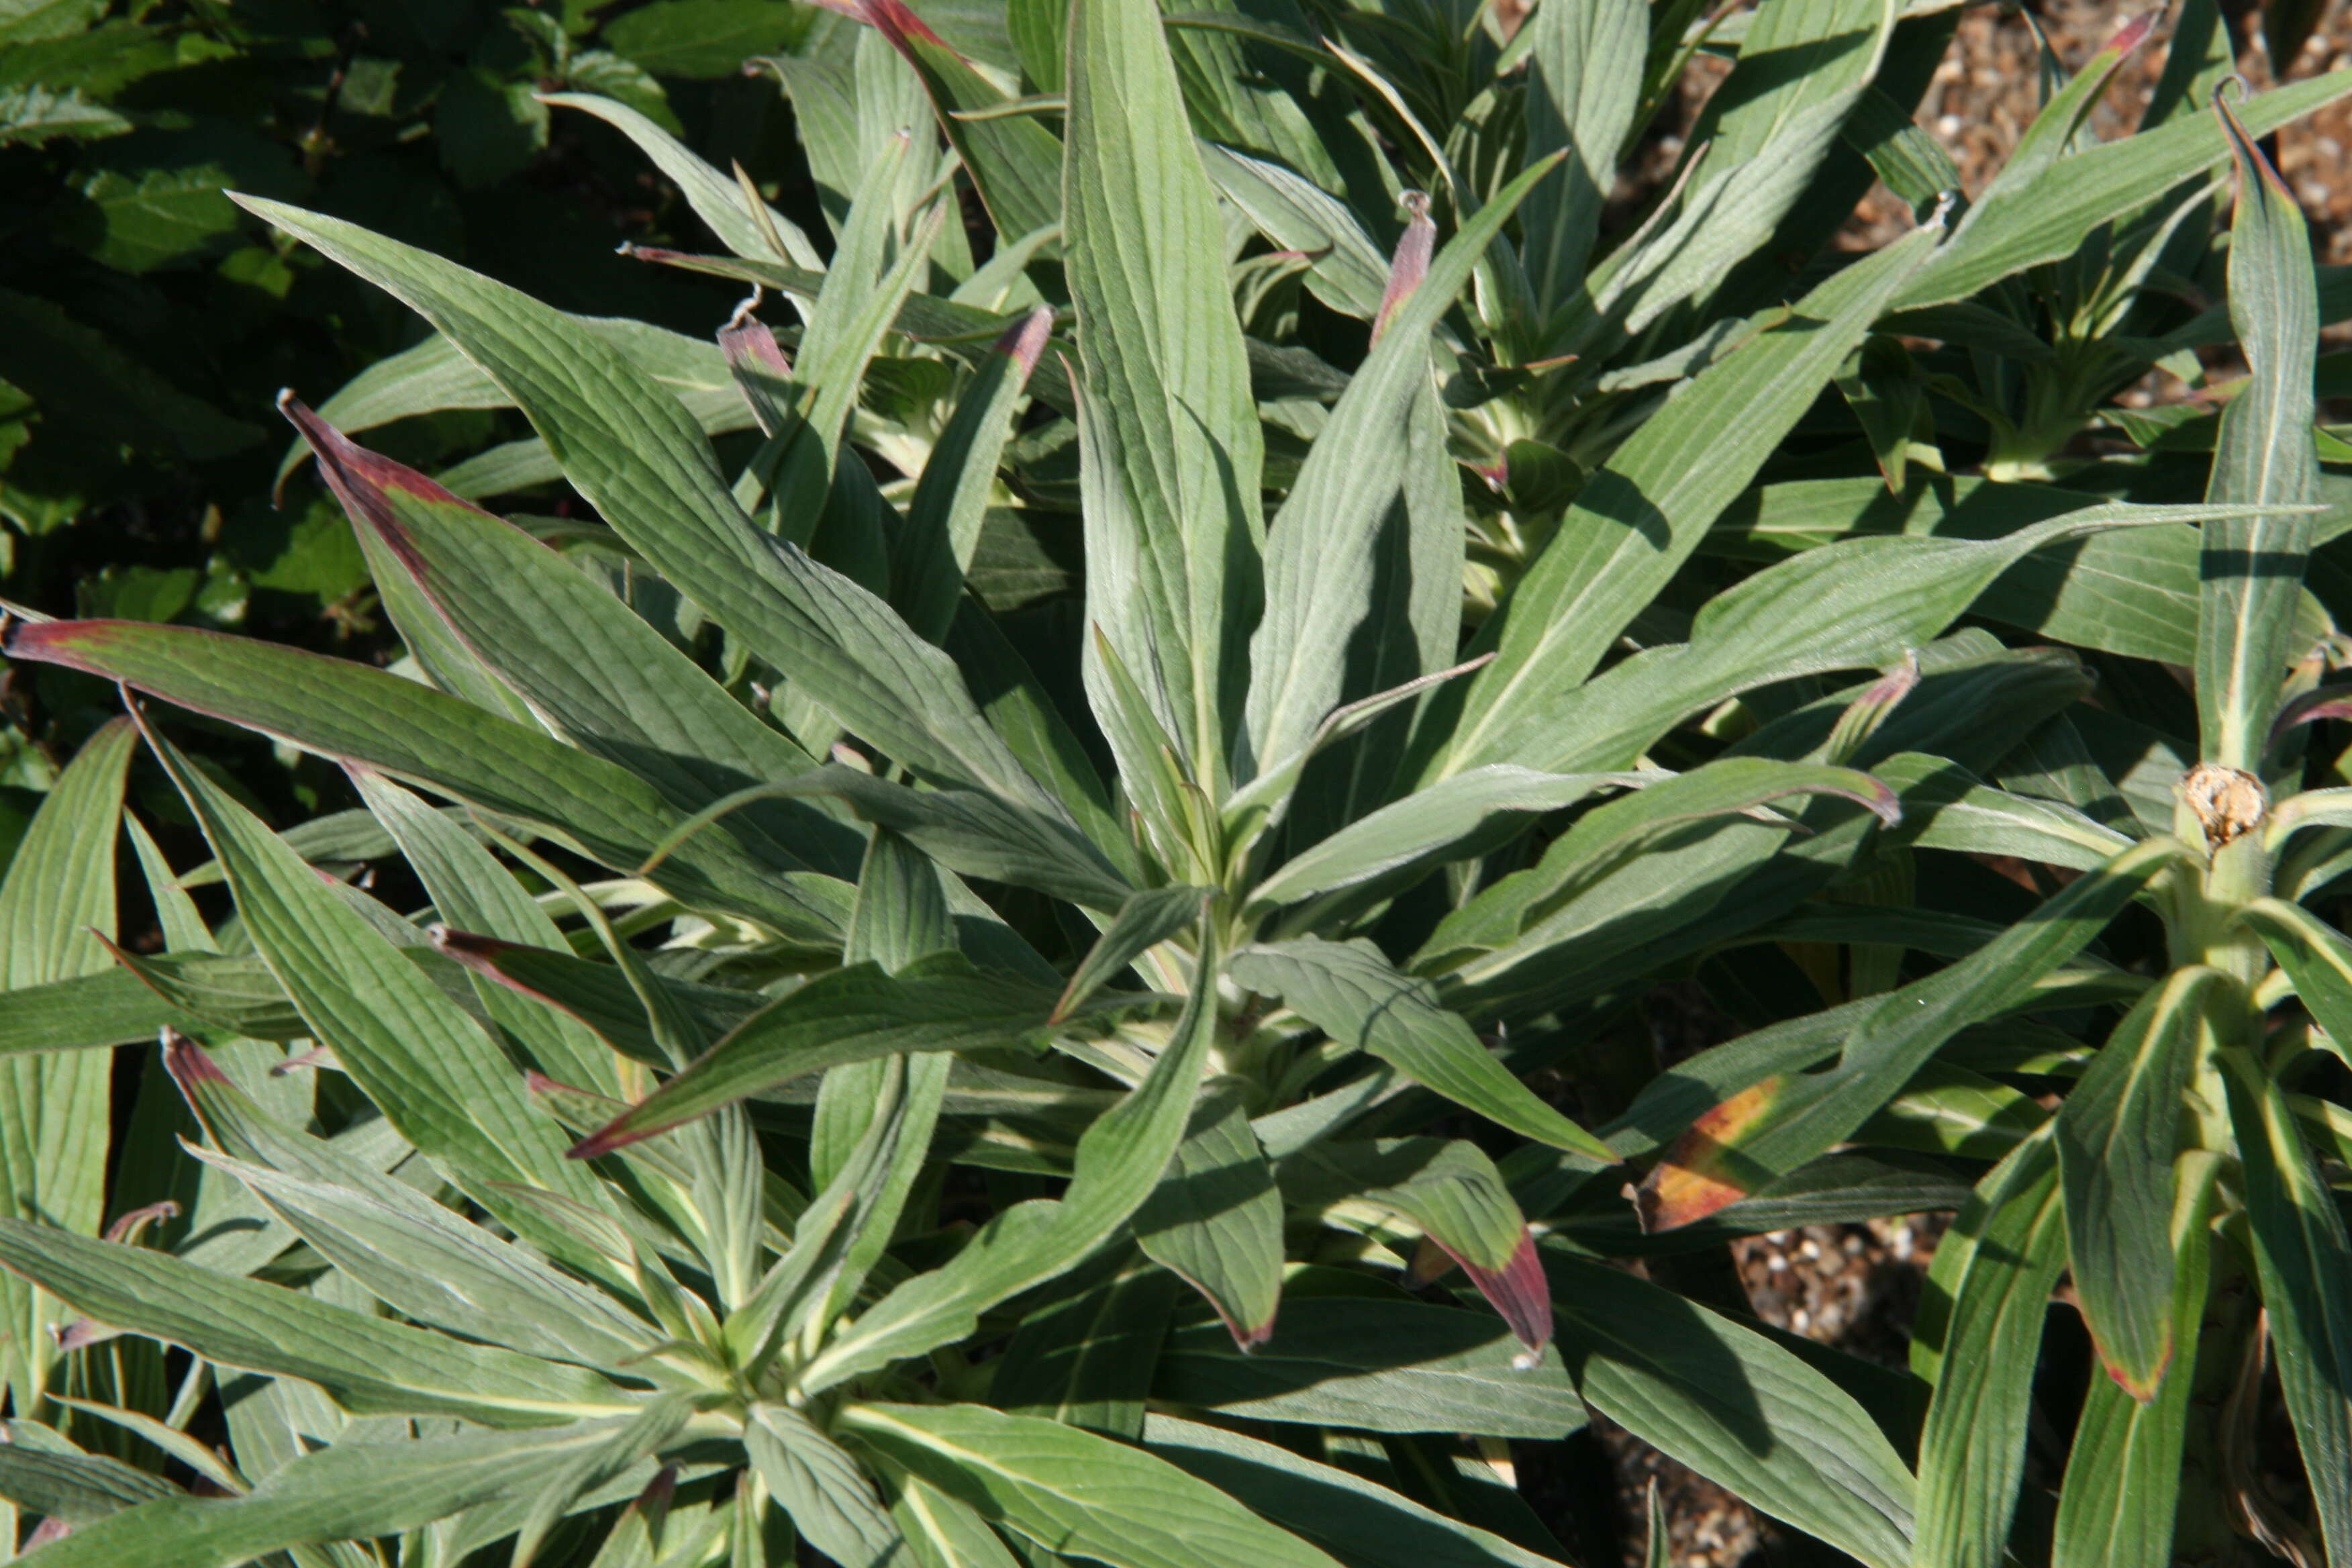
x=1025 y=339
x=1519 y=1292
x=2132 y=34
x=188 y=1062
x=895 y=22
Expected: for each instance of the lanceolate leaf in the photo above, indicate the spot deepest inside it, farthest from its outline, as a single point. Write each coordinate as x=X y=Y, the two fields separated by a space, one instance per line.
x=1120 y=1161
x=353 y=712
x=1358 y=1521
x=1735 y=1407
x=718 y=201
x=117 y=1008
x=2115 y=1506
x=1448 y=1191
x=74 y=1488
x=1996 y=1269
x=1516 y=917
x=1173 y=451
x=370 y=1364
x=1142 y=923
x=1054 y=1484
x=2045 y=218
x=1449 y=820
x=1319 y=564
x=630 y=448
x=944 y=520
x=2117 y=1135
x=474 y=892
x=2315 y=957
x=433 y=1071
x=1015 y=162
x=852 y=1014
x=1350 y=993
x=1381 y=1364
x=1216 y=1221
x=1086 y=1357
x=1856 y=604
x=56 y=917
x=1583 y=89
x=2304 y=1260
x=831 y=1502
x=2253 y=568
x=1640 y=516
x=347 y=1491
x=1782 y=1121
x=587 y=665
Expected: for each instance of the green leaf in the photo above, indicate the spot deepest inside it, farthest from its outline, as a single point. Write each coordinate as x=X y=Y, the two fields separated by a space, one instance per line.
x=1172 y=449
x=1945 y=807
x=1376 y=1364
x=2121 y=1485
x=1073 y=1492
x=2305 y=1261
x=2117 y=1135
x=1642 y=515
x=370 y=1364
x=473 y=892
x=431 y=1069
x=935 y=547
x=2314 y=956
x=345 y=1491
x=1995 y=1271
x=655 y=1427
x=57 y=919
x=1350 y=993
x=1355 y=1520
x=1781 y=1122
x=430 y=1267
x=1215 y=1220
x=1734 y=1407
x=1584 y=85
x=1118 y=1163
x=1348 y=274
x=1320 y=560
x=353 y=712
x=31 y=115
x=967 y=831
x=73 y=1488
x=831 y=1504
x=2253 y=568
x=944 y=1532
x=1855 y=603
x=433 y=377
x=598 y=994
x=1086 y=1358
x=718 y=201
x=856 y=1014
x=1147 y=920
x=634 y=452
x=1449 y=1192
x=2048 y=217
x=1454 y=818
x=696 y=39
x=120 y=1007
x=583 y=662
x=1015 y=162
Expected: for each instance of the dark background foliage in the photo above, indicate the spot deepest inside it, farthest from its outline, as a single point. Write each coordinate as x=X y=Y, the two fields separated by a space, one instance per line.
x=146 y=324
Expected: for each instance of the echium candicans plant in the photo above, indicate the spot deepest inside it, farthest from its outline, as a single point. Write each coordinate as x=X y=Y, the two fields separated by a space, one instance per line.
x=999 y=1094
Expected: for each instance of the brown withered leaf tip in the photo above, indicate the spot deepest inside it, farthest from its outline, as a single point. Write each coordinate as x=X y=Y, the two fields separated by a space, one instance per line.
x=1691 y=1180
x=2228 y=804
